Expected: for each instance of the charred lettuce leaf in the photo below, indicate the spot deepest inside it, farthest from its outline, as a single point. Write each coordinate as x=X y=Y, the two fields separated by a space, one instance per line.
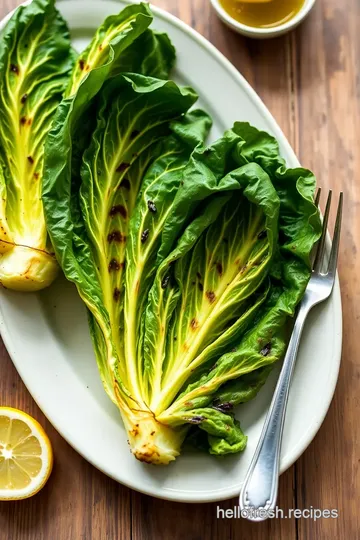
x=99 y=120
x=35 y=65
x=232 y=265
x=140 y=125
x=123 y=43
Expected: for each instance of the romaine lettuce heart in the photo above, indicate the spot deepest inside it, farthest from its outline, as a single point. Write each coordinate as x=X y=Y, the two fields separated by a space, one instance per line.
x=133 y=130
x=226 y=285
x=35 y=65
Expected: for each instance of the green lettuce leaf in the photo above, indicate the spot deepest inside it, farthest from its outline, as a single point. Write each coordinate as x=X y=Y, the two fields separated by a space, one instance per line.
x=123 y=43
x=35 y=64
x=153 y=206
x=104 y=54
x=232 y=266
x=90 y=232
x=152 y=53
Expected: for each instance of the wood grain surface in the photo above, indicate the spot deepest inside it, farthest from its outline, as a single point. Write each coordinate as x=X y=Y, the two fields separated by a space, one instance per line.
x=310 y=81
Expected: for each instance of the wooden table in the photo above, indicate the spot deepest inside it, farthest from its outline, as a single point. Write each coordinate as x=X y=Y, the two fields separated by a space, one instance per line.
x=310 y=80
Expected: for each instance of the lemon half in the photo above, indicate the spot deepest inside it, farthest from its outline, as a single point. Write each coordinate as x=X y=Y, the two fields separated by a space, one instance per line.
x=26 y=456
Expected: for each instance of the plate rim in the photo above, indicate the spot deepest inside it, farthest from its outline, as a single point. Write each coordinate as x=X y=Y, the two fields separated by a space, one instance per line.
x=287 y=461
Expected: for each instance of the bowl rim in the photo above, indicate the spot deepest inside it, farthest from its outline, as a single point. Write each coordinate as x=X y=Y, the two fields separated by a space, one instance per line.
x=281 y=28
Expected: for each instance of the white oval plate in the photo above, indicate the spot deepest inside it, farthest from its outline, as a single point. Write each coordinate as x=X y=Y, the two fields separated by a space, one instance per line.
x=47 y=337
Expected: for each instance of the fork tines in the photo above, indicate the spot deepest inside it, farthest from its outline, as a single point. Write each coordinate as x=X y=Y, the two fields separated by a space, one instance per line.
x=321 y=248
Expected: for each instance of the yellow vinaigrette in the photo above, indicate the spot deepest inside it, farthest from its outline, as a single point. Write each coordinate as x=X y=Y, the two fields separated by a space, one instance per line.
x=26 y=456
x=262 y=14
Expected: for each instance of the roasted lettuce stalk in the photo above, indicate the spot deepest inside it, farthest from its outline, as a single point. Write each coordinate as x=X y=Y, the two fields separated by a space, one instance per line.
x=35 y=65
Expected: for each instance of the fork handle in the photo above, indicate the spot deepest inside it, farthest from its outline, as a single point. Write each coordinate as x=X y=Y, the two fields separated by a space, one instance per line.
x=261 y=483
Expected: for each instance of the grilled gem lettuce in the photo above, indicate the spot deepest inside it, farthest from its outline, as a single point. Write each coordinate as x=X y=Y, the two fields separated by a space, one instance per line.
x=89 y=223
x=191 y=260
x=35 y=64
x=232 y=265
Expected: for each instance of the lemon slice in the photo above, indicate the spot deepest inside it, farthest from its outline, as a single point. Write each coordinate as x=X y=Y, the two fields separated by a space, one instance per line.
x=26 y=456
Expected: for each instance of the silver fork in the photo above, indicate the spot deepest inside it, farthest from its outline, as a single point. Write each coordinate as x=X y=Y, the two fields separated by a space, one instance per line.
x=259 y=491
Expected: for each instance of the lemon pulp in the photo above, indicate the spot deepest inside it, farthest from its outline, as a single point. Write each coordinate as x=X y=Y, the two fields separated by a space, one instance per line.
x=25 y=455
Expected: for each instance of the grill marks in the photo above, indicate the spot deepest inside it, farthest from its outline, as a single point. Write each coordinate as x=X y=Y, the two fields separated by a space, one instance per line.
x=123 y=167
x=25 y=121
x=114 y=265
x=152 y=207
x=265 y=351
x=145 y=236
x=214 y=269
x=209 y=284
x=118 y=209
x=194 y=325
x=199 y=284
x=115 y=239
x=222 y=407
x=116 y=294
x=125 y=184
x=196 y=420
x=116 y=236
x=120 y=201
